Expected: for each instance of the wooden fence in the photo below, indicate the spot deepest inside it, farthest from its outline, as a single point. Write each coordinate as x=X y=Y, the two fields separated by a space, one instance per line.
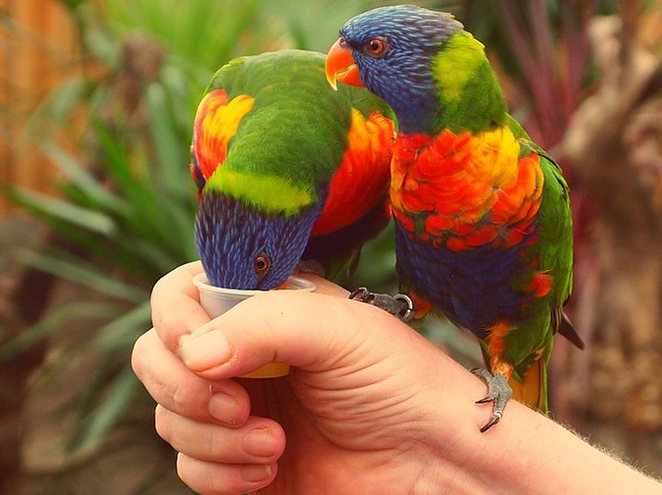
x=38 y=46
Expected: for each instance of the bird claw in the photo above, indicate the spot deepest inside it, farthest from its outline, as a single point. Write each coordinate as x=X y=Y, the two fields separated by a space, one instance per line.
x=498 y=392
x=400 y=305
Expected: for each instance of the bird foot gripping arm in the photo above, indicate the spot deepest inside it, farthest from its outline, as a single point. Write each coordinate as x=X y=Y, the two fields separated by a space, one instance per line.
x=400 y=305
x=498 y=392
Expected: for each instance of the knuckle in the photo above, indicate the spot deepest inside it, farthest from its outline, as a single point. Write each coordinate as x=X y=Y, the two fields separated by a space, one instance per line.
x=158 y=286
x=180 y=395
x=162 y=422
x=140 y=348
x=206 y=479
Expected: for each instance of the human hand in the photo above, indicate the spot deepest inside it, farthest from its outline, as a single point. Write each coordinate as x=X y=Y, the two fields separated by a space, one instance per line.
x=370 y=407
x=357 y=407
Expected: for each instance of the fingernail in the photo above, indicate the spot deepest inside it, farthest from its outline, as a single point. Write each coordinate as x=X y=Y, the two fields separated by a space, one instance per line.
x=204 y=349
x=260 y=442
x=224 y=408
x=256 y=472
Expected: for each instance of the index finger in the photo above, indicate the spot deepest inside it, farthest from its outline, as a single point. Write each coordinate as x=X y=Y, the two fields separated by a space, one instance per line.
x=175 y=302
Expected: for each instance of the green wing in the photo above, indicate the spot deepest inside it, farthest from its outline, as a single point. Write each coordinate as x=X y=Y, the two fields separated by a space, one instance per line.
x=295 y=131
x=297 y=128
x=555 y=221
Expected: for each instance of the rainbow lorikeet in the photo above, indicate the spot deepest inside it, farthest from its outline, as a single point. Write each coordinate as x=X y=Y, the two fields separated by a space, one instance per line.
x=286 y=169
x=483 y=222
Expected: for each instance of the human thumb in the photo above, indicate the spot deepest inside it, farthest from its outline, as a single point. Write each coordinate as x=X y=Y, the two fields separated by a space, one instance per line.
x=312 y=331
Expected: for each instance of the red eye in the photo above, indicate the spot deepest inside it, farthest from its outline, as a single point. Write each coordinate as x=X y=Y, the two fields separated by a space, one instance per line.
x=376 y=47
x=261 y=265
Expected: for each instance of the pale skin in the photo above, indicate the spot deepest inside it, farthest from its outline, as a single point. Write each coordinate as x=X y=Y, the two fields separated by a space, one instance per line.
x=370 y=406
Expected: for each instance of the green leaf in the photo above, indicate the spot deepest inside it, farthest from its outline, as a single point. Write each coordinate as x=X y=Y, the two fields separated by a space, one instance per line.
x=75 y=172
x=52 y=209
x=116 y=163
x=171 y=161
x=103 y=47
x=98 y=423
x=65 y=98
x=82 y=273
x=122 y=332
x=54 y=320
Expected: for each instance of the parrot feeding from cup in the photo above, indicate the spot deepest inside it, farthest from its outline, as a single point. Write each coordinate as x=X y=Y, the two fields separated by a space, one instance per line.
x=286 y=169
x=483 y=221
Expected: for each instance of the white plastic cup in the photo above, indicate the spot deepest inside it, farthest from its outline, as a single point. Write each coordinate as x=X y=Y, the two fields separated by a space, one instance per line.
x=217 y=300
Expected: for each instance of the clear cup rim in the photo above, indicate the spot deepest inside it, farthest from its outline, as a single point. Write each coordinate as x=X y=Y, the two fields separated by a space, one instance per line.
x=293 y=283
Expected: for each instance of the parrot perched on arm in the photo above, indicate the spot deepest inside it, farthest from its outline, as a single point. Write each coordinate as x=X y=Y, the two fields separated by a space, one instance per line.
x=483 y=221
x=286 y=169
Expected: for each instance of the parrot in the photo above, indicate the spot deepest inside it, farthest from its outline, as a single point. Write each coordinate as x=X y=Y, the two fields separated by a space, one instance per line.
x=286 y=170
x=483 y=224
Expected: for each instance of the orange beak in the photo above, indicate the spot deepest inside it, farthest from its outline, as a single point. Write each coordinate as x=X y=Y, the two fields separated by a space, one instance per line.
x=340 y=66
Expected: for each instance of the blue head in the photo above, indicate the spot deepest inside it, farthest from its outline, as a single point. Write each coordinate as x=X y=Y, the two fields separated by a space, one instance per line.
x=243 y=248
x=393 y=48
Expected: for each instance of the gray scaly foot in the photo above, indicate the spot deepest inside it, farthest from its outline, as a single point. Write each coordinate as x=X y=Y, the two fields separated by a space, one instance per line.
x=498 y=392
x=400 y=305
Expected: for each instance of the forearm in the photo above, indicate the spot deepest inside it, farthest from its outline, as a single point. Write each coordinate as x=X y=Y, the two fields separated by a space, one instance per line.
x=526 y=453
x=541 y=457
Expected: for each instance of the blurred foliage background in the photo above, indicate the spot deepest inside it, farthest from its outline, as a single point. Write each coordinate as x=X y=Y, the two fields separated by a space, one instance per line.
x=97 y=102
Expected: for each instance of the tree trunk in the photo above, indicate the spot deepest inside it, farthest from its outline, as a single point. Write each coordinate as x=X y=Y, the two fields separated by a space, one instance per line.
x=614 y=146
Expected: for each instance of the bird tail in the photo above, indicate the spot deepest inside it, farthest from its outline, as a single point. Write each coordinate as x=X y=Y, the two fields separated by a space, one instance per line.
x=568 y=331
x=532 y=388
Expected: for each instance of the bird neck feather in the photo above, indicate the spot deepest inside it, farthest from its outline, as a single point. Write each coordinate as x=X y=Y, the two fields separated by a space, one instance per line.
x=469 y=94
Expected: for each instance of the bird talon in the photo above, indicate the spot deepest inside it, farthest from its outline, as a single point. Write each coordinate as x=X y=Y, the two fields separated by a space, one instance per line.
x=361 y=294
x=407 y=310
x=498 y=392
x=400 y=305
x=494 y=419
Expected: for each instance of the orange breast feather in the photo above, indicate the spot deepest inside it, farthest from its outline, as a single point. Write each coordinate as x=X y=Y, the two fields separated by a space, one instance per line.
x=465 y=190
x=363 y=176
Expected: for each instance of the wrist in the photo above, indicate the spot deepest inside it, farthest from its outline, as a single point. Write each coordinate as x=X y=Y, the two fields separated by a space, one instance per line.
x=526 y=453
x=451 y=433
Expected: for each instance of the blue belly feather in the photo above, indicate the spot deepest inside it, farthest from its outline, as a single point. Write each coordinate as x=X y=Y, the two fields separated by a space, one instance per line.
x=472 y=288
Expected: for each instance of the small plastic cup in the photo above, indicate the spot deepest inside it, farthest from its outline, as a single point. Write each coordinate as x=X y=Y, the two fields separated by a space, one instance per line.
x=217 y=300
